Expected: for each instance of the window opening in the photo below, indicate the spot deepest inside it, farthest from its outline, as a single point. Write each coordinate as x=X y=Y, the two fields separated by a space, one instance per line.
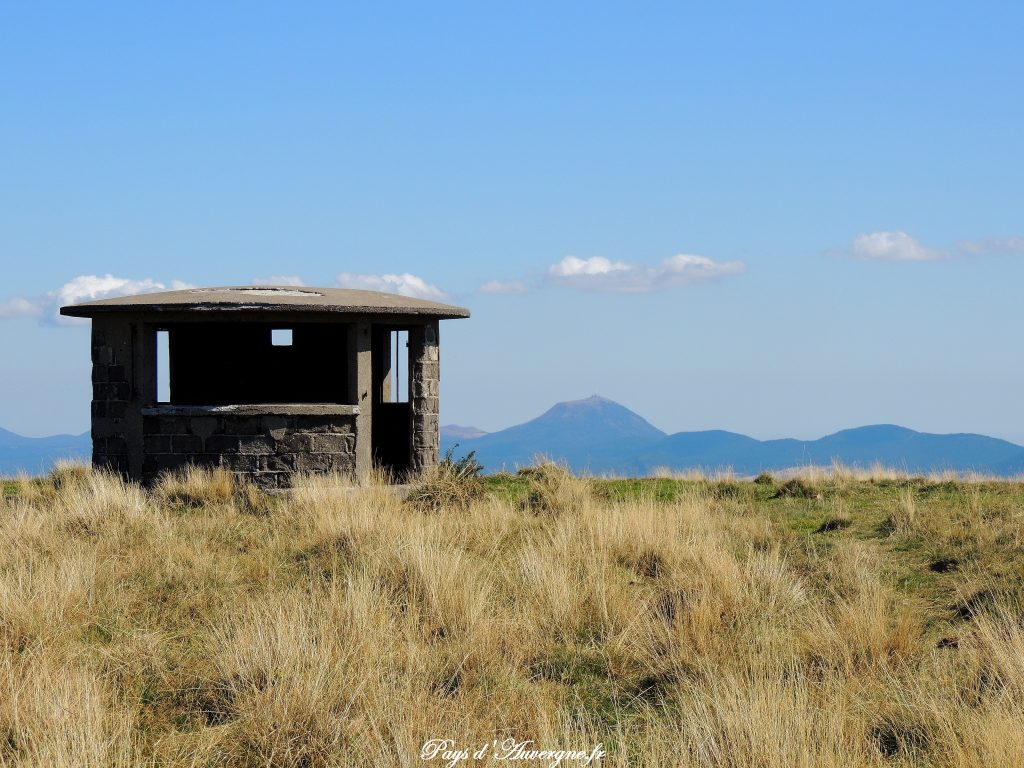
x=237 y=363
x=163 y=368
x=399 y=388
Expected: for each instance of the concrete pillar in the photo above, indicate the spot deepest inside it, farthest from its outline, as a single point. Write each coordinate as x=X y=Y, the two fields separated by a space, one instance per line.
x=363 y=349
x=424 y=363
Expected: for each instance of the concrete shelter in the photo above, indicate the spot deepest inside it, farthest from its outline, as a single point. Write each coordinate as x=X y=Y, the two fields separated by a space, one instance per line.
x=265 y=381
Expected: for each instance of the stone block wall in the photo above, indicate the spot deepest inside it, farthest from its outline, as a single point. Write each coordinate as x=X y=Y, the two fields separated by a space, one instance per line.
x=424 y=364
x=267 y=449
x=111 y=395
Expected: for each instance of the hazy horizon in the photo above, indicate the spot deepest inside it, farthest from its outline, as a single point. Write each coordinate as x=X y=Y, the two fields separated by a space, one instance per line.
x=447 y=425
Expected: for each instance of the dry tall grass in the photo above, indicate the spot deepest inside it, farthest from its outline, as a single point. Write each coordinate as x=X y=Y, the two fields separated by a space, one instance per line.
x=201 y=625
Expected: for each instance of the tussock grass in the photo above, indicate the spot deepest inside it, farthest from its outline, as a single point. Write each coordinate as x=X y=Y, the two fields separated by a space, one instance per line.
x=677 y=621
x=553 y=489
x=196 y=486
x=449 y=484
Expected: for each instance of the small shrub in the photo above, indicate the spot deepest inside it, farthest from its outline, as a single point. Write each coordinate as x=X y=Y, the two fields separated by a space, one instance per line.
x=450 y=484
x=796 y=488
x=765 y=478
x=553 y=489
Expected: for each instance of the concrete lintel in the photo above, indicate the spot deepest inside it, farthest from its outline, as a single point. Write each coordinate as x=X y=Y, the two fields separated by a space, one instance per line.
x=256 y=409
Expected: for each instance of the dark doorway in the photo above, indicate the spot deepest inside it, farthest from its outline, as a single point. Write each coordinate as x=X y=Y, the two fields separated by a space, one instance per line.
x=392 y=414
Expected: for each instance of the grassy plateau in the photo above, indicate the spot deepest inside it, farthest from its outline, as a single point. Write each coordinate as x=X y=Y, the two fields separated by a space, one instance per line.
x=829 y=619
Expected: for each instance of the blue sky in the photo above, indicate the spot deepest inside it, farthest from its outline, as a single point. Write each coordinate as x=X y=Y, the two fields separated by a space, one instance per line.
x=778 y=220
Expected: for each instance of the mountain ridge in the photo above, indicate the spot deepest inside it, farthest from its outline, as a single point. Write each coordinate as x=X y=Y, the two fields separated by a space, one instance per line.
x=596 y=444
x=36 y=455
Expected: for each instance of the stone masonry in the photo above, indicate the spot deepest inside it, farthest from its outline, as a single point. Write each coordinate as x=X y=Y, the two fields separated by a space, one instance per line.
x=267 y=449
x=423 y=392
x=111 y=396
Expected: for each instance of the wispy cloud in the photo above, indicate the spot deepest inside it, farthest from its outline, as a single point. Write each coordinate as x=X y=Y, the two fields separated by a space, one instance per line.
x=82 y=288
x=1006 y=245
x=503 y=286
x=19 y=307
x=901 y=246
x=893 y=246
x=404 y=284
x=600 y=274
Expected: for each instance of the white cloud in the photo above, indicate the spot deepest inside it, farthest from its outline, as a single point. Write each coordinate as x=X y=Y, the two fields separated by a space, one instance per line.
x=992 y=245
x=501 y=286
x=600 y=274
x=685 y=268
x=92 y=287
x=893 y=246
x=573 y=266
x=404 y=284
x=278 y=280
x=18 y=307
x=79 y=289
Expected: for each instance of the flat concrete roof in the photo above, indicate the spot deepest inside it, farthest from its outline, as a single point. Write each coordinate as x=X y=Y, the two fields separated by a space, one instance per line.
x=277 y=299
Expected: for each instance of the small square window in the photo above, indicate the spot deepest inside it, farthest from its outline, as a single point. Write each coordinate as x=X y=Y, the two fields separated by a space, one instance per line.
x=281 y=337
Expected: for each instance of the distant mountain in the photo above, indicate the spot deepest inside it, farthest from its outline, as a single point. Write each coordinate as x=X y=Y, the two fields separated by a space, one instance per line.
x=886 y=444
x=598 y=435
x=595 y=435
x=36 y=455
